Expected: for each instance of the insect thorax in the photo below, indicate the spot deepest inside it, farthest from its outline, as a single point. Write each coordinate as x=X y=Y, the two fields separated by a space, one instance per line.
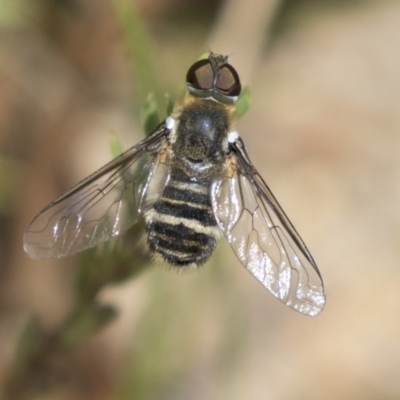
x=200 y=139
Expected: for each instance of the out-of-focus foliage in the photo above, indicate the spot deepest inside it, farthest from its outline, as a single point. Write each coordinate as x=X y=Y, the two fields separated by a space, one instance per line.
x=10 y=171
x=12 y=13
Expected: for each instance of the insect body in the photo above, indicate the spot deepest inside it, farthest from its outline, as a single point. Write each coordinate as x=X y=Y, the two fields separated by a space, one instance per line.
x=192 y=180
x=182 y=226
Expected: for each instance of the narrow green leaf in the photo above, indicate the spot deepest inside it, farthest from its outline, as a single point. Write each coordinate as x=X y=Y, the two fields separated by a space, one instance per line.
x=115 y=146
x=149 y=115
x=243 y=103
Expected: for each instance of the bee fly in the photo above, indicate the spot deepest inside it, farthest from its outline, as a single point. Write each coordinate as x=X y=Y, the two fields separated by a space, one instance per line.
x=191 y=180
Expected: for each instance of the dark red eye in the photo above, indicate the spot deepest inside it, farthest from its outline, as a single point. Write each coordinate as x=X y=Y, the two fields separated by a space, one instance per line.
x=214 y=77
x=228 y=81
x=201 y=75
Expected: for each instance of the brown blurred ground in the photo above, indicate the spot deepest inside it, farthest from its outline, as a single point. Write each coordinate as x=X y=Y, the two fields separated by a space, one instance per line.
x=324 y=131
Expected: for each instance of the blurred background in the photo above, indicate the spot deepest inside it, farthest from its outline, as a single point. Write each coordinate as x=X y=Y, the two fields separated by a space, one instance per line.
x=324 y=131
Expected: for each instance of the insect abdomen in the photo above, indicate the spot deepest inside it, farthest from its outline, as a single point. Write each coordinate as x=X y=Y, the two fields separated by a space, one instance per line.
x=181 y=225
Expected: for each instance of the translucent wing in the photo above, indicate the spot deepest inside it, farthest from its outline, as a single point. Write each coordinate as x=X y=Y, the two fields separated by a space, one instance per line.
x=103 y=205
x=263 y=238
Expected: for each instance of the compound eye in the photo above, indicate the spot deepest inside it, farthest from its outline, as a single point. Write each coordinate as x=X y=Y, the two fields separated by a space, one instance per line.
x=200 y=75
x=228 y=81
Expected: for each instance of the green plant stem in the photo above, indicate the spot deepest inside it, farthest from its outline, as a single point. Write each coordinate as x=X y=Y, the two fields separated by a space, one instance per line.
x=139 y=47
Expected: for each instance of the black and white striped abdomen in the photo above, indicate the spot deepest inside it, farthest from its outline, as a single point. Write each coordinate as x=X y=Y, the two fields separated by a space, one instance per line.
x=181 y=225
